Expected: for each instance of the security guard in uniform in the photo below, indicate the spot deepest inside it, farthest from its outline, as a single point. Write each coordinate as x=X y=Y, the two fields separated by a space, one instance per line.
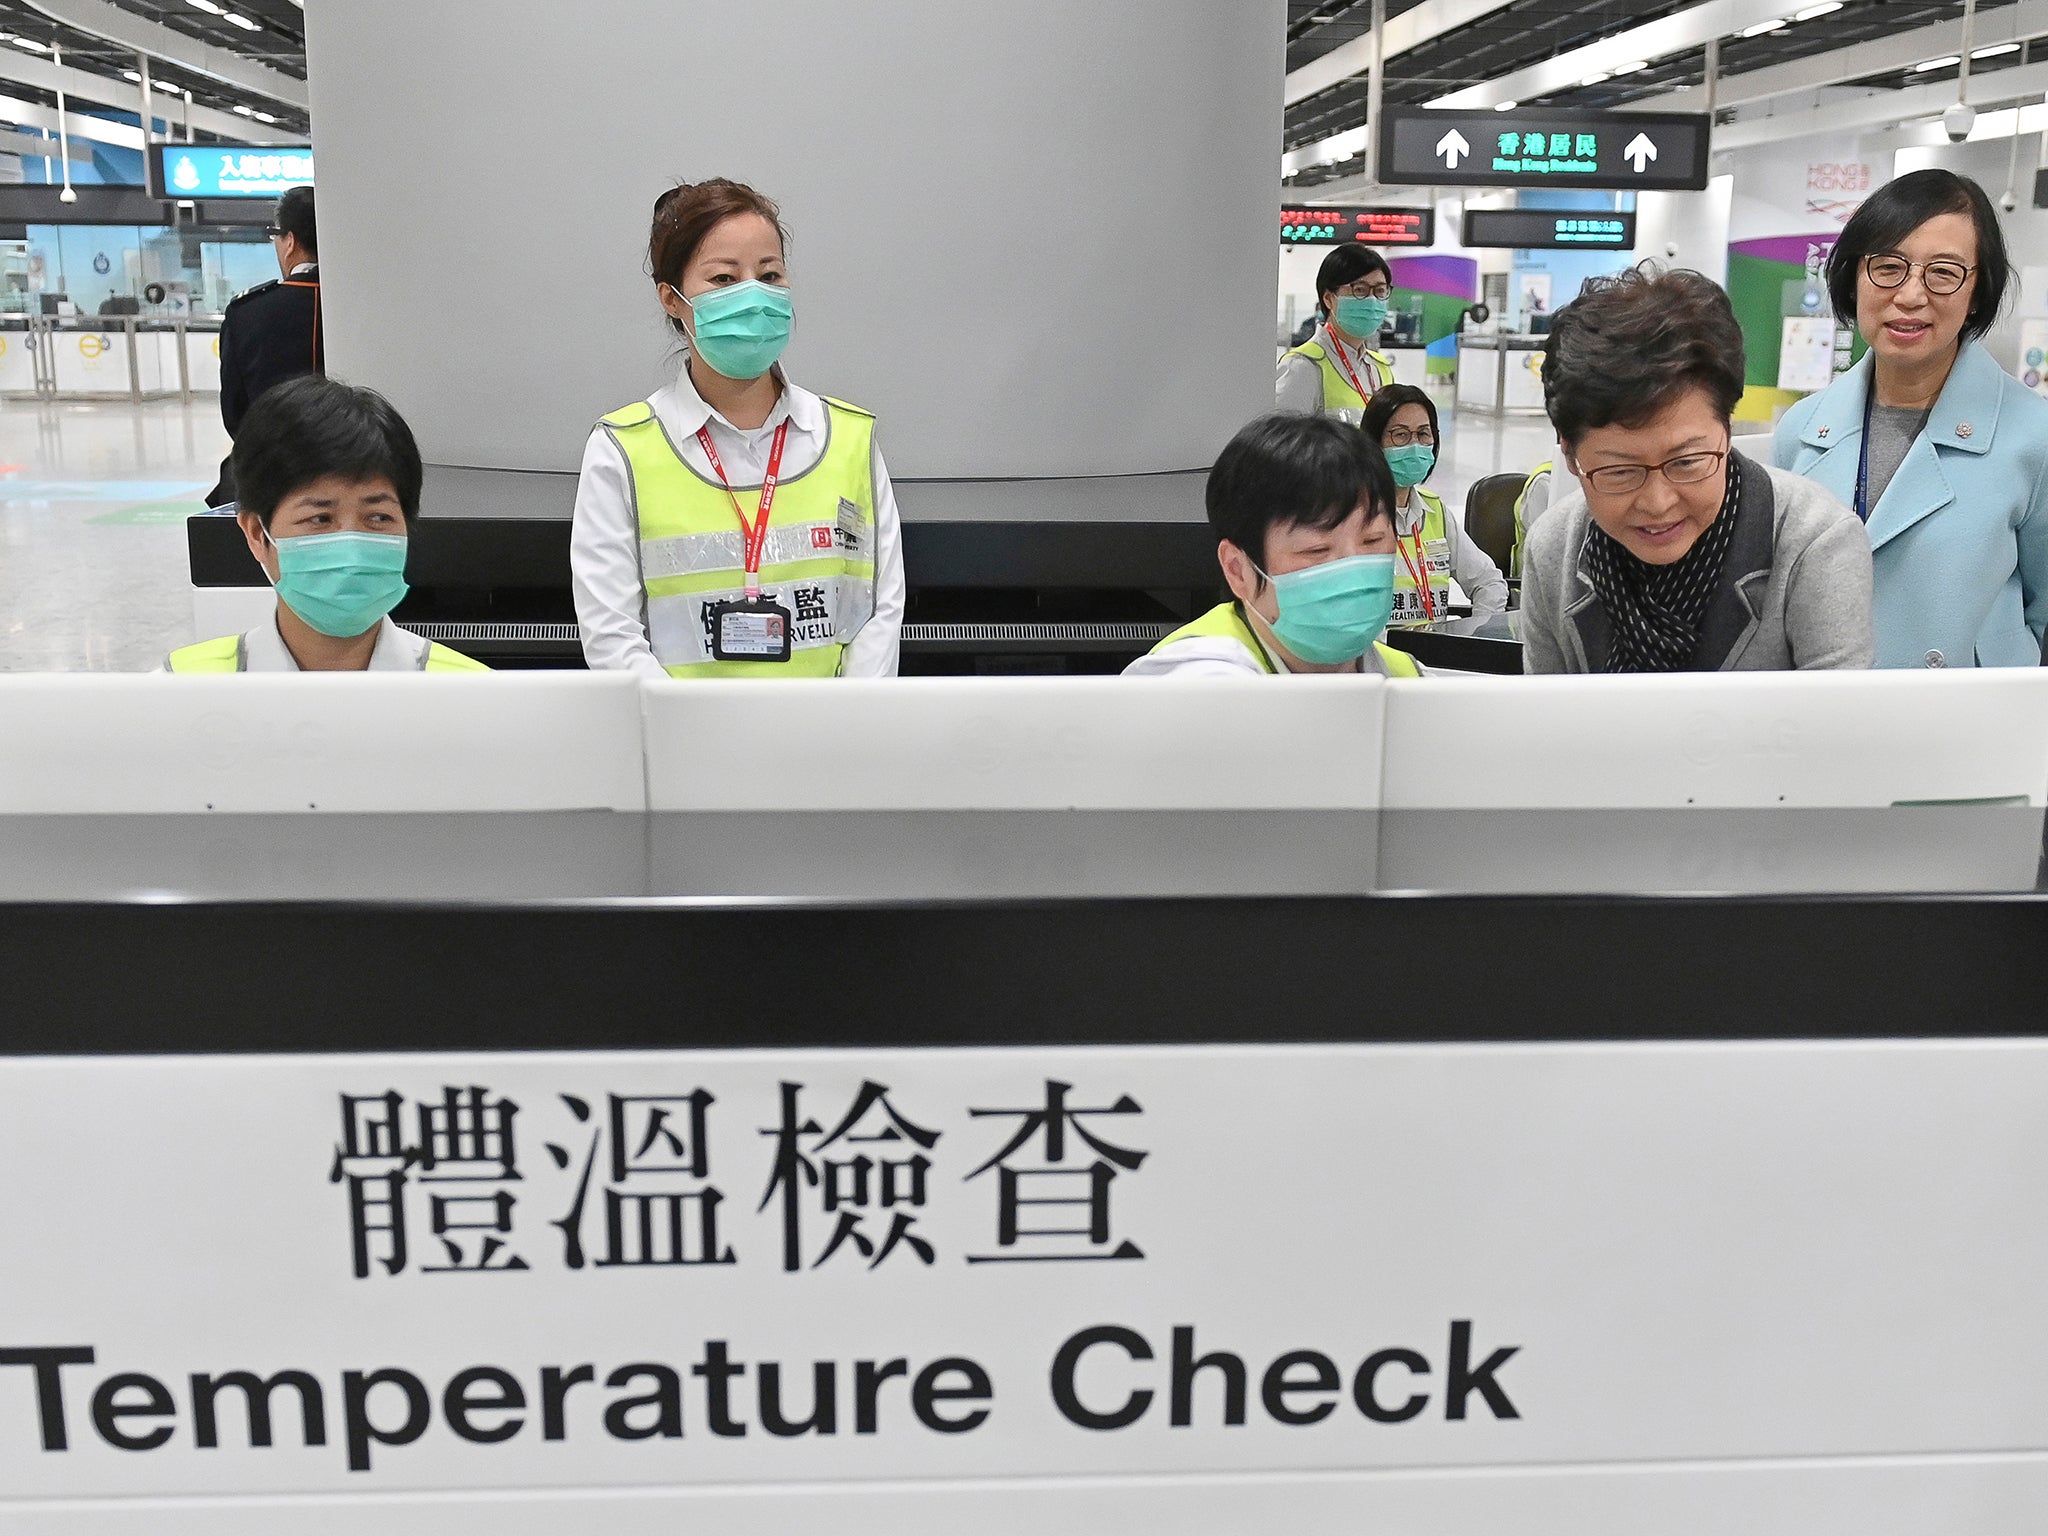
x=1303 y=509
x=1335 y=370
x=272 y=332
x=1434 y=547
x=734 y=525
x=330 y=482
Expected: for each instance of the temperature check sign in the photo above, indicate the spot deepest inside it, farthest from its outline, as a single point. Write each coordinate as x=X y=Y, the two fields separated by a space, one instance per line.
x=1614 y=151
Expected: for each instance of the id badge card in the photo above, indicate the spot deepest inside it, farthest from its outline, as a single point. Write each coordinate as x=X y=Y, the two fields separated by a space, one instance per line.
x=752 y=629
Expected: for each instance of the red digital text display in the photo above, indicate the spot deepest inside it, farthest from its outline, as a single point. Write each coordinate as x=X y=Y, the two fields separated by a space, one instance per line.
x=1366 y=226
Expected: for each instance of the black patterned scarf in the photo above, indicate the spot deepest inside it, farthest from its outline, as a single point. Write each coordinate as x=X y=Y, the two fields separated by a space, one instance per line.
x=1657 y=610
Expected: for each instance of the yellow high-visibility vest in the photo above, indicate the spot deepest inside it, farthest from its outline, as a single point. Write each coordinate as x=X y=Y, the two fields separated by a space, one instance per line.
x=1226 y=622
x=1338 y=395
x=819 y=562
x=228 y=655
x=1435 y=560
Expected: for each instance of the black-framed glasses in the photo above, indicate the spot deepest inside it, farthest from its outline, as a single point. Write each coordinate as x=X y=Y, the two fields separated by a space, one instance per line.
x=1939 y=277
x=1401 y=437
x=1365 y=288
x=1686 y=469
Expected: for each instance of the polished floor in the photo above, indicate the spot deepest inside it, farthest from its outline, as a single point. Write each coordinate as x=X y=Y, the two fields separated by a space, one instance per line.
x=94 y=497
x=93 y=502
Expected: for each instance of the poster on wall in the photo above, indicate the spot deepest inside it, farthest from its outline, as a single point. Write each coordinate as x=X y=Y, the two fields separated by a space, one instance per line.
x=1835 y=189
x=1806 y=353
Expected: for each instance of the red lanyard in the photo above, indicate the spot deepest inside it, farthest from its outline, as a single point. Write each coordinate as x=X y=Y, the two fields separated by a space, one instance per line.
x=756 y=533
x=1350 y=372
x=1418 y=567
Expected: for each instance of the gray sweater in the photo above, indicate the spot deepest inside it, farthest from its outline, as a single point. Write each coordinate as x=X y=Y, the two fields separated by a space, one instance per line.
x=1795 y=593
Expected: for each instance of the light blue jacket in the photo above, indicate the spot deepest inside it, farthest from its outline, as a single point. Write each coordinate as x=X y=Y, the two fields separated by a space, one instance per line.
x=1959 y=539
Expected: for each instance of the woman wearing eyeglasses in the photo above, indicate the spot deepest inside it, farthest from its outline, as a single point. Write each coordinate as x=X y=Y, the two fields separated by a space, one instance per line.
x=1434 y=547
x=1943 y=454
x=1336 y=371
x=1674 y=553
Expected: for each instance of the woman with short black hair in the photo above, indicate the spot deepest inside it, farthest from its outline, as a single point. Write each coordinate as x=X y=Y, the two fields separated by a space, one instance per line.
x=1675 y=553
x=1434 y=547
x=1336 y=371
x=1942 y=453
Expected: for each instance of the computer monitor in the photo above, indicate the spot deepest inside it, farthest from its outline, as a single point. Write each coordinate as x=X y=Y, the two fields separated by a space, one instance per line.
x=360 y=742
x=1082 y=743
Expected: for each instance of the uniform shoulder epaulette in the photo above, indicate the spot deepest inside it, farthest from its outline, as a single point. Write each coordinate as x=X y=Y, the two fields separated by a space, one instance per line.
x=252 y=292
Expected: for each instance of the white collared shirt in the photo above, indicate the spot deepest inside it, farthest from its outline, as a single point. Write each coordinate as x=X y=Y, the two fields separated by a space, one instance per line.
x=264 y=650
x=604 y=544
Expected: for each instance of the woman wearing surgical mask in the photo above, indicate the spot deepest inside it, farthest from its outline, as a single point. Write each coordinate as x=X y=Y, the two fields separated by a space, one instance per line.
x=732 y=524
x=1434 y=548
x=1303 y=509
x=328 y=480
x=1336 y=370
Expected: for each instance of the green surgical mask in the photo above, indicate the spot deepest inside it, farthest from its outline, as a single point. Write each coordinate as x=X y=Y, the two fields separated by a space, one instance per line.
x=1334 y=611
x=341 y=583
x=1363 y=318
x=1411 y=463
x=741 y=329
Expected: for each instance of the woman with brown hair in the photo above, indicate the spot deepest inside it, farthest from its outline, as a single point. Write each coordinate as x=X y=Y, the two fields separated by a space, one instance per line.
x=1673 y=552
x=733 y=524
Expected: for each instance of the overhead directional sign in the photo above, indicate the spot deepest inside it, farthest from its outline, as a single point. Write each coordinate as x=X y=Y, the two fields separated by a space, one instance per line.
x=215 y=172
x=1364 y=226
x=1546 y=229
x=1628 y=151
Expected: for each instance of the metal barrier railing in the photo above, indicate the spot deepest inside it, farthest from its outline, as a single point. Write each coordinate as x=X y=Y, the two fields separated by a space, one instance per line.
x=43 y=333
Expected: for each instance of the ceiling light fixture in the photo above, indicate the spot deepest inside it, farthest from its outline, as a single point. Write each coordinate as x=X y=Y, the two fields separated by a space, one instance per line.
x=264 y=117
x=166 y=87
x=207 y=6
x=1949 y=62
x=1762 y=27
x=30 y=44
x=241 y=110
x=129 y=74
x=237 y=19
x=1505 y=106
x=1593 y=79
x=1815 y=12
x=1994 y=50
x=1633 y=67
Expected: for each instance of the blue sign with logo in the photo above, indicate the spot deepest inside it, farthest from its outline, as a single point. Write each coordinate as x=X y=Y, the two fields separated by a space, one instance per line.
x=218 y=172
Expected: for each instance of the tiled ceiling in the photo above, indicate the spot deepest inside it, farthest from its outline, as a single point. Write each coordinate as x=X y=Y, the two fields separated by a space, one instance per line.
x=1529 y=31
x=276 y=39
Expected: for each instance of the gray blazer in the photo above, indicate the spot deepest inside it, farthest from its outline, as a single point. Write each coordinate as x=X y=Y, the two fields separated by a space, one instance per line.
x=1795 y=593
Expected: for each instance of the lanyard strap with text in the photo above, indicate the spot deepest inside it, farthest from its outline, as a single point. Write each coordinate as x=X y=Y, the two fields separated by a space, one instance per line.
x=756 y=533
x=1418 y=567
x=1352 y=373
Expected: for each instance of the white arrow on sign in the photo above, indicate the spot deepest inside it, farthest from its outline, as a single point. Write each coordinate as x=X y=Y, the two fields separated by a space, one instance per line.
x=1452 y=145
x=1640 y=152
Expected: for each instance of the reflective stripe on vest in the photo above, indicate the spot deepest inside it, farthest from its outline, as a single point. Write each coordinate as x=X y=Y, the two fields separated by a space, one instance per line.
x=1225 y=622
x=1436 y=553
x=1338 y=395
x=819 y=562
x=227 y=654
